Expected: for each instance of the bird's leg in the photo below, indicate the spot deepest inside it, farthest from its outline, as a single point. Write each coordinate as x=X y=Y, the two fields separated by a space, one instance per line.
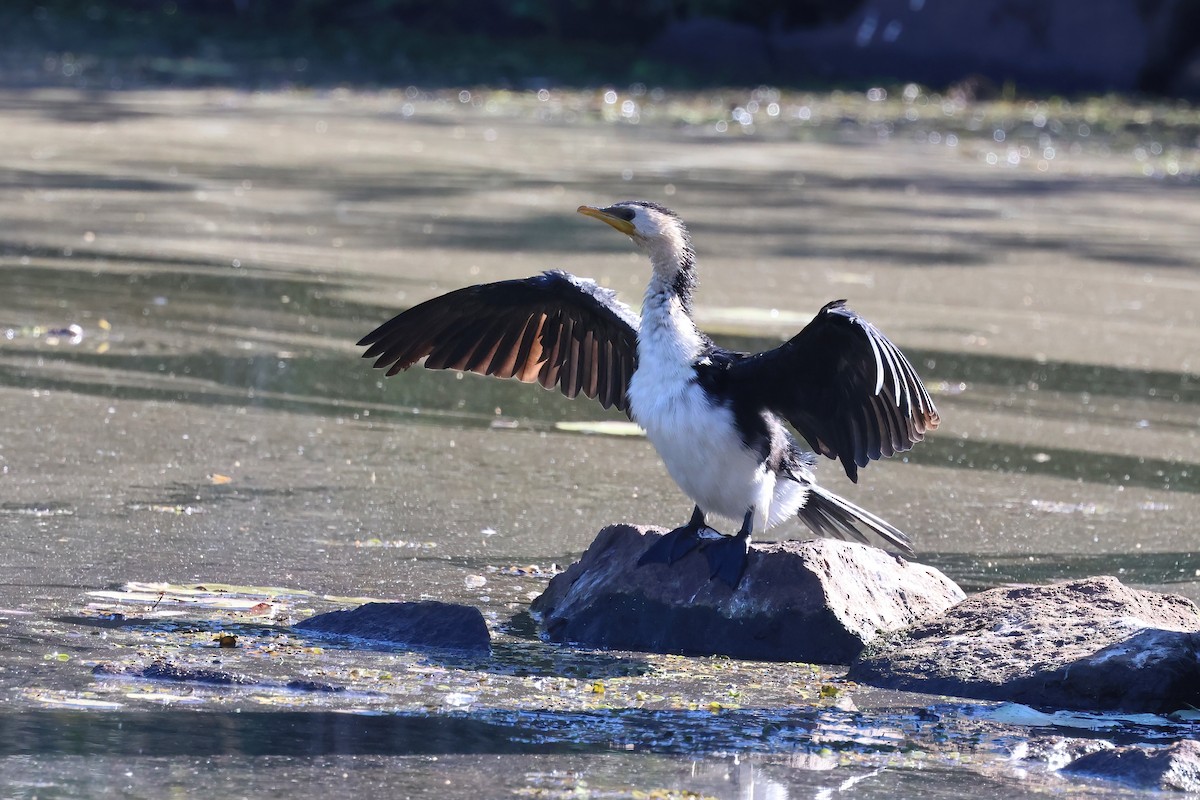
x=676 y=544
x=728 y=555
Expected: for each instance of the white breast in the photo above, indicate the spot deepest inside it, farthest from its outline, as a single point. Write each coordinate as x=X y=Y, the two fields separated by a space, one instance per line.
x=697 y=442
x=697 y=438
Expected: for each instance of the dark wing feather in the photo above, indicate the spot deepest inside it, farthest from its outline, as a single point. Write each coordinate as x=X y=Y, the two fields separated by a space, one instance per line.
x=554 y=329
x=845 y=387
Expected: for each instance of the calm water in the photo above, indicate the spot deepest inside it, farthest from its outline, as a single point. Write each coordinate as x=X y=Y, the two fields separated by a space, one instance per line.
x=209 y=423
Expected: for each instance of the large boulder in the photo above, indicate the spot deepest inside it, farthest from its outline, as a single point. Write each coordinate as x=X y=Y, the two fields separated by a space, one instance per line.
x=817 y=601
x=1176 y=767
x=1083 y=644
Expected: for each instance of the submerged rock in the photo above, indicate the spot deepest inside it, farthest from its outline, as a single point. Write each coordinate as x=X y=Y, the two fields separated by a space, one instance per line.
x=1175 y=767
x=1083 y=644
x=817 y=601
x=161 y=670
x=426 y=623
x=178 y=673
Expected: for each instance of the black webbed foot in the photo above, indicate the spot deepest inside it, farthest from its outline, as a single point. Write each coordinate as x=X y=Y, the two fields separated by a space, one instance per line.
x=673 y=546
x=727 y=558
x=728 y=555
x=676 y=544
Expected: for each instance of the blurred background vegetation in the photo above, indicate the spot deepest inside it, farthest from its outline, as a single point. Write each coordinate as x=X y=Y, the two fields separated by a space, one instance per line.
x=517 y=43
x=1055 y=45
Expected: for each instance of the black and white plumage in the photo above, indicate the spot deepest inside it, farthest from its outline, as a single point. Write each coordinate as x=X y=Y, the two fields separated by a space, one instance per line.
x=716 y=417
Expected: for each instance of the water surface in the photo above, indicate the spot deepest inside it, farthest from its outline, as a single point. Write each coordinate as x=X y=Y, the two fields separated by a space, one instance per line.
x=208 y=421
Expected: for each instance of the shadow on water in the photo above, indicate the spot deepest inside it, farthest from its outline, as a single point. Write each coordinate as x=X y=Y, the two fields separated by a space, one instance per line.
x=1057 y=376
x=315 y=732
x=77 y=106
x=490 y=731
x=314 y=380
x=22 y=179
x=206 y=289
x=250 y=733
x=976 y=572
x=366 y=203
x=1111 y=469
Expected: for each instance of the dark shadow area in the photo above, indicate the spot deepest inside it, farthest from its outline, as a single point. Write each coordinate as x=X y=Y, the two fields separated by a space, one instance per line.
x=252 y=733
x=485 y=731
x=58 y=179
x=328 y=382
x=356 y=207
x=1108 y=469
x=200 y=496
x=1056 y=376
x=803 y=43
x=365 y=42
x=975 y=572
x=172 y=733
x=524 y=658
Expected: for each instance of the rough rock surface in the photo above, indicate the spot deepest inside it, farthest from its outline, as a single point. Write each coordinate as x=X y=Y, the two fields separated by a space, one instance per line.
x=816 y=601
x=427 y=623
x=1174 y=767
x=1083 y=644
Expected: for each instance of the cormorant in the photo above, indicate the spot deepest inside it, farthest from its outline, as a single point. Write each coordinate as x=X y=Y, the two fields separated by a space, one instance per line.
x=715 y=416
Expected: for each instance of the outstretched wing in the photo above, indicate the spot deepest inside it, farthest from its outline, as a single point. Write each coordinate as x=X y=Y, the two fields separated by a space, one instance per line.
x=554 y=329
x=845 y=387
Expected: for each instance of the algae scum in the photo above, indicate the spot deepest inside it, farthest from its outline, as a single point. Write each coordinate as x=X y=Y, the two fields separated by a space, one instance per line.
x=187 y=423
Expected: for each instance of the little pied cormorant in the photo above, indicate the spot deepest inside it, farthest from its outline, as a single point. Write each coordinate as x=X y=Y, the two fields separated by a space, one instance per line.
x=714 y=415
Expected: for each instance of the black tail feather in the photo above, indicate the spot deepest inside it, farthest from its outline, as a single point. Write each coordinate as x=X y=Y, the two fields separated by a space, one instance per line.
x=826 y=514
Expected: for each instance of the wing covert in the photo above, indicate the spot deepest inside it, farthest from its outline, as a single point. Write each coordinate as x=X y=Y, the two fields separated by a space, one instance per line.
x=553 y=329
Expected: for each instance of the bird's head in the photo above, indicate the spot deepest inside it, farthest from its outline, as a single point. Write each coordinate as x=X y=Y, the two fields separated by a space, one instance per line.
x=657 y=231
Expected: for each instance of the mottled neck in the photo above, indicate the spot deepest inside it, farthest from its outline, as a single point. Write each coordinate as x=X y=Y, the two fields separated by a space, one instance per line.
x=674 y=264
x=667 y=333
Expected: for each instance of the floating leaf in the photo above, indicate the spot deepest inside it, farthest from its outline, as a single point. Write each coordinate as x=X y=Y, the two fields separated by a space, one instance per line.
x=605 y=427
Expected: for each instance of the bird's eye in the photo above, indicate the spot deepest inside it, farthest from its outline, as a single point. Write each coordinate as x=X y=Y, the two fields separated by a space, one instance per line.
x=620 y=212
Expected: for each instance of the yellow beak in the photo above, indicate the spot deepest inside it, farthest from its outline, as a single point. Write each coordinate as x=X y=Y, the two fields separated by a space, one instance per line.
x=602 y=215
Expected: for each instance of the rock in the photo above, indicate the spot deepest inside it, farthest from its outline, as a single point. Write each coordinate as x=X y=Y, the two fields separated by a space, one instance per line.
x=168 y=671
x=816 y=601
x=1174 y=767
x=160 y=670
x=1090 y=644
x=426 y=623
